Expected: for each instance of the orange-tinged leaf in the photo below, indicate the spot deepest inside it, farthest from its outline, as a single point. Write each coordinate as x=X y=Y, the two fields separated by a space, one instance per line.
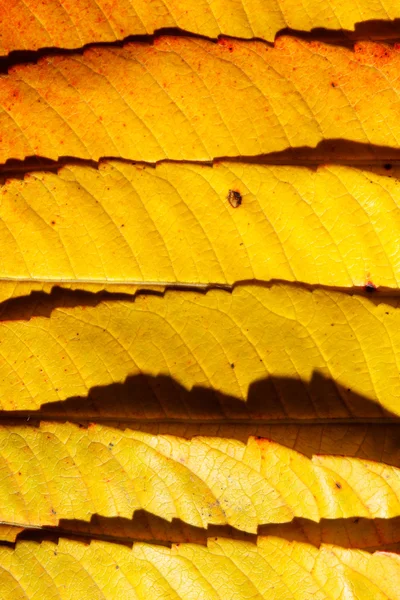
x=277 y=348
x=204 y=481
x=9 y=533
x=127 y=224
x=29 y=25
x=227 y=99
x=273 y=569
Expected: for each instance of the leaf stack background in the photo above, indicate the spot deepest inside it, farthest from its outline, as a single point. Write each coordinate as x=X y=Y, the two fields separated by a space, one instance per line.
x=199 y=400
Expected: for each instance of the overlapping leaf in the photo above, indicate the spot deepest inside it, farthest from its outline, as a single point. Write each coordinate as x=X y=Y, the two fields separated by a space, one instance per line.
x=125 y=224
x=29 y=25
x=367 y=441
x=227 y=99
x=277 y=347
x=225 y=569
x=199 y=374
x=63 y=472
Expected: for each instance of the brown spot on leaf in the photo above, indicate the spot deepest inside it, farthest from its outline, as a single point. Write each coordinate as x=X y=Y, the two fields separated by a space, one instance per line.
x=338 y=485
x=226 y=43
x=234 y=198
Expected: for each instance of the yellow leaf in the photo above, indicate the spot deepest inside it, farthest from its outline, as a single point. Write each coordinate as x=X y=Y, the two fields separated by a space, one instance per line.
x=192 y=99
x=29 y=25
x=126 y=224
x=278 y=348
x=274 y=569
x=62 y=472
x=286 y=450
x=198 y=372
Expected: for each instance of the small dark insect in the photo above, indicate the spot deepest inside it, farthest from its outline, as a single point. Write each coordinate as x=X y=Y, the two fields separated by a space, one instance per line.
x=339 y=487
x=235 y=198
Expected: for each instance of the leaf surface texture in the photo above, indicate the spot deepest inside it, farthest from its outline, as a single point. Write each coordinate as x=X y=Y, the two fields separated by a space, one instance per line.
x=28 y=25
x=227 y=99
x=199 y=318
x=257 y=344
x=125 y=225
x=204 y=481
x=226 y=569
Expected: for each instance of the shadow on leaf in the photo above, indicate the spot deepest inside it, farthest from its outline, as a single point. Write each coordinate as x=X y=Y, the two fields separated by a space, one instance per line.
x=367 y=534
x=319 y=417
x=373 y=29
x=334 y=151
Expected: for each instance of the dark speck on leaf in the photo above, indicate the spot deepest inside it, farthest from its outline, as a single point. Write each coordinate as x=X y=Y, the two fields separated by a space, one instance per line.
x=339 y=487
x=232 y=365
x=388 y=166
x=234 y=198
x=370 y=287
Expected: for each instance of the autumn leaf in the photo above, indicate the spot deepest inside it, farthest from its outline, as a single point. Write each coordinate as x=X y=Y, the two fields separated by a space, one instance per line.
x=204 y=481
x=126 y=225
x=199 y=300
x=225 y=569
x=233 y=98
x=288 y=351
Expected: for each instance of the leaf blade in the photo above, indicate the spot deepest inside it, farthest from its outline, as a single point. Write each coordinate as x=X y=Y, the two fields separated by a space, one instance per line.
x=257 y=344
x=204 y=481
x=125 y=226
x=272 y=105
x=280 y=570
